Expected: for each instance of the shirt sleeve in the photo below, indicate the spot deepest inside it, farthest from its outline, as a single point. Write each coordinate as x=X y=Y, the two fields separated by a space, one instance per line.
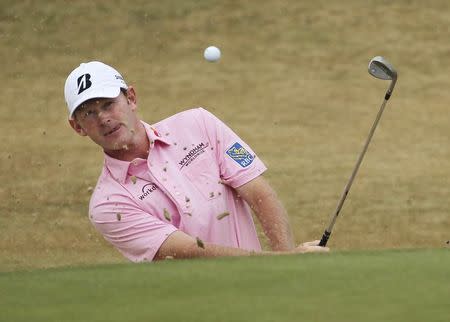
x=136 y=234
x=237 y=161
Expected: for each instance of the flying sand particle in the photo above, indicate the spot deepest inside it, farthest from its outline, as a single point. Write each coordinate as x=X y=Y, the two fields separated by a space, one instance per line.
x=167 y=215
x=119 y=217
x=200 y=243
x=223 y=215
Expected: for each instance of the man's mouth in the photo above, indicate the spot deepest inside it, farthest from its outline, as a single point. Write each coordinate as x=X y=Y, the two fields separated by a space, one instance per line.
x=112 y=130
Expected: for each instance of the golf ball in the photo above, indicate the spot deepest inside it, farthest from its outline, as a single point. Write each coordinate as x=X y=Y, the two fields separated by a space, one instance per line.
x=212 y=54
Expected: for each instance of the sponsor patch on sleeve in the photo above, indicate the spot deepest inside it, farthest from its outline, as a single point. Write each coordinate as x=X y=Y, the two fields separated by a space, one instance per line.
x=239 y=154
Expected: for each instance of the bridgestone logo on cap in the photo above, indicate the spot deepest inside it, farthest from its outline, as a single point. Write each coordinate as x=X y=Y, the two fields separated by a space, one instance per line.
x=84 y=83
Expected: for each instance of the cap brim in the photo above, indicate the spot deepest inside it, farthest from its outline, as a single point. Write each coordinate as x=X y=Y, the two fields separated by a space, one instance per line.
x=105 y=92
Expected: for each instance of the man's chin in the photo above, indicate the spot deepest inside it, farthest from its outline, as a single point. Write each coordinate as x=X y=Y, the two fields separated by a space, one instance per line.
x=116 y=146
x=120 y=147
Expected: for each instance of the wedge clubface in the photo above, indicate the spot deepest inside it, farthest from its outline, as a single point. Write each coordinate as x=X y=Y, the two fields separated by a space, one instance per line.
x=379 y=68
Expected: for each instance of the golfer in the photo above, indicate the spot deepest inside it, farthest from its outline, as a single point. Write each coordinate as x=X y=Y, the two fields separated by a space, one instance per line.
x=179 y=188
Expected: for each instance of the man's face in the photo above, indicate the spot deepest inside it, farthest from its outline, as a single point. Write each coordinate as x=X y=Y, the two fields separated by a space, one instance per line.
x=109 y=122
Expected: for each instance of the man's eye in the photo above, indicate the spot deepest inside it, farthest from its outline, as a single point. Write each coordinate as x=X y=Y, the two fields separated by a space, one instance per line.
x=88 y=113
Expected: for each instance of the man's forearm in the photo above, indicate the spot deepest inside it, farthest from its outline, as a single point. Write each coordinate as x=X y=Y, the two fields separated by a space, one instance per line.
x=274 y=221
x=180 y=245
x=194 y=250
x=268 y=208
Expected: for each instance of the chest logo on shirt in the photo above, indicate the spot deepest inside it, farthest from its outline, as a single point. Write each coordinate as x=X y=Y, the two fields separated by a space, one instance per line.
x=239 y=154
x=147 y=190
x=193 y=154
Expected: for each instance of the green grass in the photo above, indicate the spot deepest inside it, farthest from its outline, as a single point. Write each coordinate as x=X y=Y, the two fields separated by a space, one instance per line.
x=345 y=286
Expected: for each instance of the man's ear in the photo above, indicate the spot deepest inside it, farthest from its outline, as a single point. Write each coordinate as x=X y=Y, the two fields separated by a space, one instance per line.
x=77 y=127
x=131 y=98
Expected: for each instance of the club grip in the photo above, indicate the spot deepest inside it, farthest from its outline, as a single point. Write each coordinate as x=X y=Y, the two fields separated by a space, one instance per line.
x=324 y=240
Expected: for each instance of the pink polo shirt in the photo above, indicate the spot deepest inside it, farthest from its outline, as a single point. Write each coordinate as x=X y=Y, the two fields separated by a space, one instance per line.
x=186 y=184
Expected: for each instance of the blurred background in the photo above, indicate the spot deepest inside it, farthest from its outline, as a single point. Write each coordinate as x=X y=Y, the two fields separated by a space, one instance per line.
x=292 y=82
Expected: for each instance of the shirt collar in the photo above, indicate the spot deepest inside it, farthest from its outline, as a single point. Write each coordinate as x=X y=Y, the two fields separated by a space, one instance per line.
x=119 y=168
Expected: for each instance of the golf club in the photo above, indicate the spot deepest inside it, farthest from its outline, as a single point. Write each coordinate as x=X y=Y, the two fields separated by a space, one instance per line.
x=379 y=68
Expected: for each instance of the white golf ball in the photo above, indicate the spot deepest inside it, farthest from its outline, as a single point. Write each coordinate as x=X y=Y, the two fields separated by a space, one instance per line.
x=212 y=54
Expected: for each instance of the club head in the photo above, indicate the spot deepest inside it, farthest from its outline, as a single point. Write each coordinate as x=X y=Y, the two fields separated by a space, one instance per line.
x=379 y=67
x=382 y=69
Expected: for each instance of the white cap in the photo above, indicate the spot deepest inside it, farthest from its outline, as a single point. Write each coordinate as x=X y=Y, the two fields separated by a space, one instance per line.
x=92 y=80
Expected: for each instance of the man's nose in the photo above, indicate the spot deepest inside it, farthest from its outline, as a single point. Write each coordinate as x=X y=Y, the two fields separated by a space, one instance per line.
x=104 y=117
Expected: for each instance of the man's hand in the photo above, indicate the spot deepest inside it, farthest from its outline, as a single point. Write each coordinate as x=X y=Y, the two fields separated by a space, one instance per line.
x=311 y=247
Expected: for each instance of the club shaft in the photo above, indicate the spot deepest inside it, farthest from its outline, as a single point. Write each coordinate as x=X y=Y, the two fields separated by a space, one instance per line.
x=335 y=214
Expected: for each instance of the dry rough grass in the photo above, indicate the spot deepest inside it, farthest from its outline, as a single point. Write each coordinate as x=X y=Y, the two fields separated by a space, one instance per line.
x=292 y=82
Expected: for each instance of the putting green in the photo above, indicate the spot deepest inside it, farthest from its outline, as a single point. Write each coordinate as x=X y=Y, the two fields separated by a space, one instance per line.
x=345 y=286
